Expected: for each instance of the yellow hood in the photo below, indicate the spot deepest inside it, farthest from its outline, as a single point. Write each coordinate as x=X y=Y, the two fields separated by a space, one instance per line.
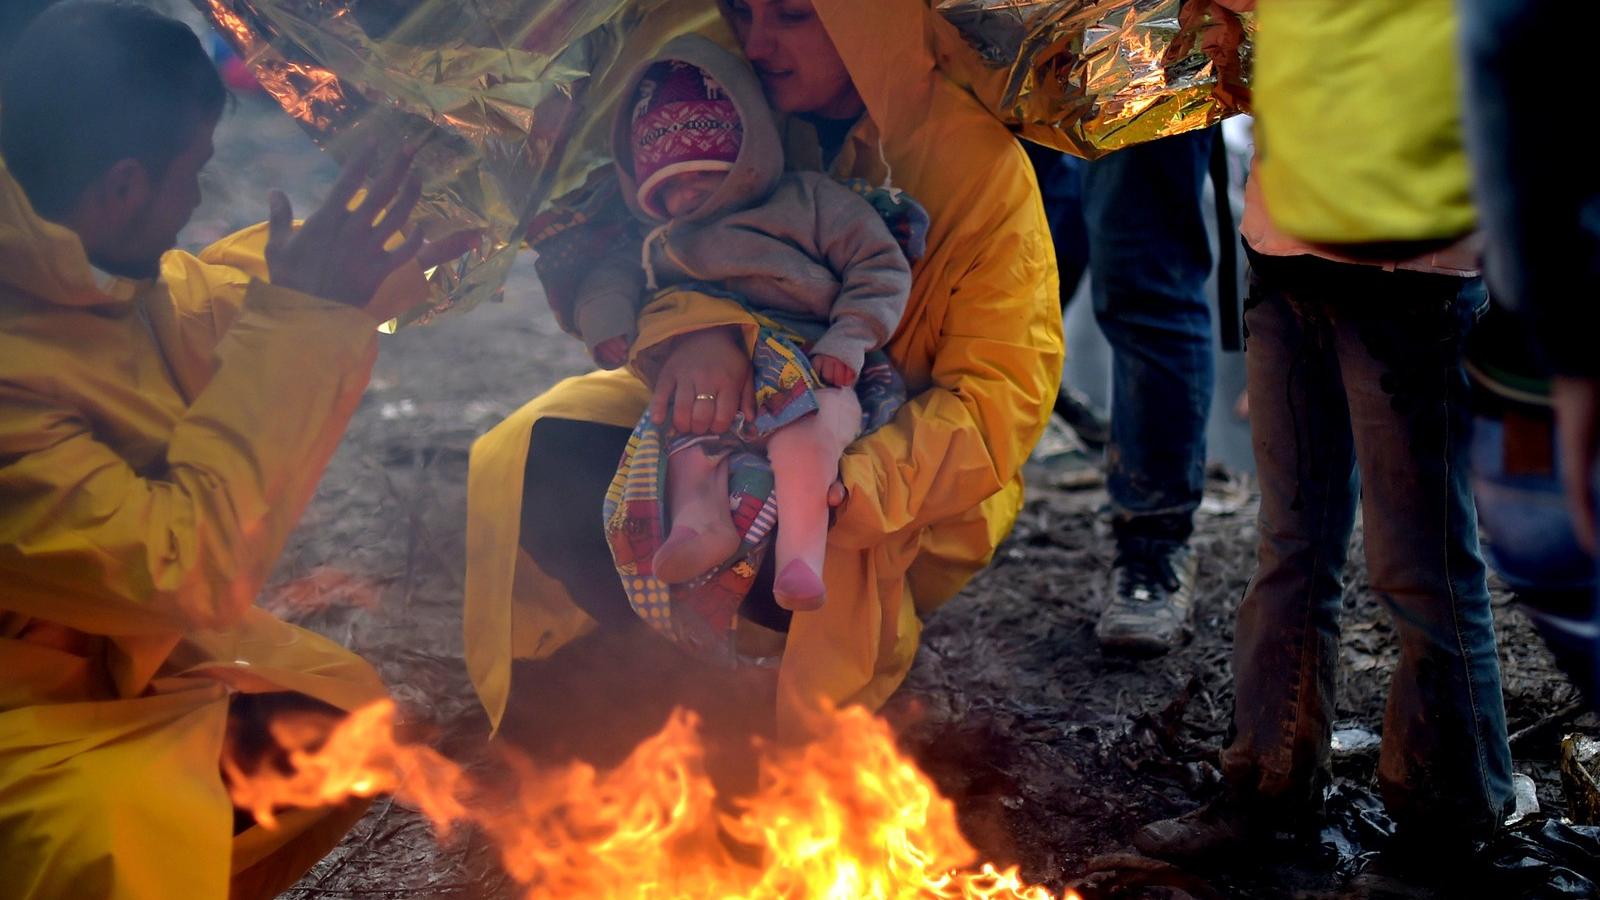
x=43 y=259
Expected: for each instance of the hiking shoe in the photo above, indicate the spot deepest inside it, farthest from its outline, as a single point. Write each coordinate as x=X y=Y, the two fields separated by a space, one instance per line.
x=1061 y=459
x=1223 y=826
x=1074 y=407
x=1151 y=591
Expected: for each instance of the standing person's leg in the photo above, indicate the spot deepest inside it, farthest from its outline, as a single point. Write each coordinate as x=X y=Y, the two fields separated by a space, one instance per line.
x=1286 y=633
x=1061 y=186
x=1150 y=257
x=1445 y=766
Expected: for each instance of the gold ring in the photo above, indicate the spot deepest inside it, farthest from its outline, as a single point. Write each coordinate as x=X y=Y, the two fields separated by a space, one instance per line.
x=705 y=396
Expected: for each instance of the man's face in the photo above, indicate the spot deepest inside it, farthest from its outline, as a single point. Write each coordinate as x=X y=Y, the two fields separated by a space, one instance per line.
x=149 y=225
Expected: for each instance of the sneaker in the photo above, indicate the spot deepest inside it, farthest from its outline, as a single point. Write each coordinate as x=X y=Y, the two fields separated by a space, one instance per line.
x=1223 y=826
x=1151 y=591
x=1074 y=407
x=1061 y=459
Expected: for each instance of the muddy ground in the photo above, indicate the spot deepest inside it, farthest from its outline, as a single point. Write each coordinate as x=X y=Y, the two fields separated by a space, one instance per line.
x=1053 y=753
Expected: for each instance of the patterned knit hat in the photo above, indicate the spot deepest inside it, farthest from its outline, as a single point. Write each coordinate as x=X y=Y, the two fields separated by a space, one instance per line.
x=683 y=121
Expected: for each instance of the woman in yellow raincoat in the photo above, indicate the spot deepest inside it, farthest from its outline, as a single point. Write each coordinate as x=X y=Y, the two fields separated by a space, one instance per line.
x=160 y=433
x=928 y=497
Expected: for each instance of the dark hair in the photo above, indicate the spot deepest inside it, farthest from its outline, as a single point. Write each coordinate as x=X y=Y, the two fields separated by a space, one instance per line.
x=14 y=15
x=92 y=82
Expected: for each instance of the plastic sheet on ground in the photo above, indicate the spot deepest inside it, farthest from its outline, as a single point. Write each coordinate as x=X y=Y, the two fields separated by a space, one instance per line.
x=1538 y=859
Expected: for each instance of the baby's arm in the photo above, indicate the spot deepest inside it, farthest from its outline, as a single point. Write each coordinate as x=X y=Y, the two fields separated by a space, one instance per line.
x=594 y=285
x=606 y=310
x=874 y=278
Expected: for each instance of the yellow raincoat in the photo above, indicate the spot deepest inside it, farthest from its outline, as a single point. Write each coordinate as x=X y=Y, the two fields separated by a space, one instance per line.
x=158 y=442
x=930 y=495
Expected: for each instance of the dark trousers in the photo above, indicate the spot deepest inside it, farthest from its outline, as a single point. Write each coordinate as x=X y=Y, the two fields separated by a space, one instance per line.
x=1136 y=220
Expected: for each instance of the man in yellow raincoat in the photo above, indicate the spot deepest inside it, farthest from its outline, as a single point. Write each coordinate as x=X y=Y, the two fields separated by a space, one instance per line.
x=927 y=498
x=163 y=422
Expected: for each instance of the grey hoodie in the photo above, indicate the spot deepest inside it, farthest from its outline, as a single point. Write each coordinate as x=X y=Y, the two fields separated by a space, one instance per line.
x=794 y=242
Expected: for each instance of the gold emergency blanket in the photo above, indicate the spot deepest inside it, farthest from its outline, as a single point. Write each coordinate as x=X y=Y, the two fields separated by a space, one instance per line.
x=1092 y=76
x=510 y=99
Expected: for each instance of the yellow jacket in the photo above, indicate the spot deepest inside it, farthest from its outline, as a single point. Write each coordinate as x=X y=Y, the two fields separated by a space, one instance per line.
x=1358 y=131
x=158 y=441
x=932 y=494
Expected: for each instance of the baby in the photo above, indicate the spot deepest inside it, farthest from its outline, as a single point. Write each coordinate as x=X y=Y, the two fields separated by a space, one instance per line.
x=700 y=162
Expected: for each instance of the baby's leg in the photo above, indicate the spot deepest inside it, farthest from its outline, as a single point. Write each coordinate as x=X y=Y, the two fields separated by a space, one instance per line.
x=805 y=462
x=702 y=534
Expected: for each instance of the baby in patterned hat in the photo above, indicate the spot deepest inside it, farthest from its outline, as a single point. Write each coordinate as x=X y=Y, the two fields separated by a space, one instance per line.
x=702 y=167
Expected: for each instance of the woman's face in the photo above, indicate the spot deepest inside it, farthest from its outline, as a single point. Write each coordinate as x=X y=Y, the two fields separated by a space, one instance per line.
x=796 y=60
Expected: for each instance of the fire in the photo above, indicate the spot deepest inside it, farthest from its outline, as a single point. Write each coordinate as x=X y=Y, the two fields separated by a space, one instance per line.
x=842 y=818
x=360 y=758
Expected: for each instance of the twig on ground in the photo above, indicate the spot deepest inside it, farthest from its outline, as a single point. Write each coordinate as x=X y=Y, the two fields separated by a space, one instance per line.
x=1547 y=725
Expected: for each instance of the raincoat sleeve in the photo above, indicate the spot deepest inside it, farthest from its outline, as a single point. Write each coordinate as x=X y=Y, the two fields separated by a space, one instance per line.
x=216 y=280
x=875 y=279
x=995 y=369
x=593 y=278
x=608 y=301
x=92 y=543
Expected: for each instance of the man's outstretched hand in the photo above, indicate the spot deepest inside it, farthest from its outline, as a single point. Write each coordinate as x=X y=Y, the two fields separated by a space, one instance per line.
x=338 y=253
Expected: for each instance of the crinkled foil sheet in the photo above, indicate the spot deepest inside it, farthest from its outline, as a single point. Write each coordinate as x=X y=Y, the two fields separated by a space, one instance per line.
x=1104 y=74
x=492 y=91
x=508 y=99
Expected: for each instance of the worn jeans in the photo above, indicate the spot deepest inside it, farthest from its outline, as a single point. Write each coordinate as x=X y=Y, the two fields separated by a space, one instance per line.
x=1353 y=367
x=1061 y=187
x=1150 y=256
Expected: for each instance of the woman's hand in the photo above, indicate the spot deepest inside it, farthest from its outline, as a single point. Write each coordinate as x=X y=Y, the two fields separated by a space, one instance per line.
x=705 y=380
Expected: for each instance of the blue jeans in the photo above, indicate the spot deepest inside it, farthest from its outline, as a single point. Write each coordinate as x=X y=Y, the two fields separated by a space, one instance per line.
x=1061 y=186
x=1150 y=257
x=1352 y=367
x=1530 y=543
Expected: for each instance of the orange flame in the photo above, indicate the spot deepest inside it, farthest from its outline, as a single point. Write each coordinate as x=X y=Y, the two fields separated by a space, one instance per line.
x=845 y=817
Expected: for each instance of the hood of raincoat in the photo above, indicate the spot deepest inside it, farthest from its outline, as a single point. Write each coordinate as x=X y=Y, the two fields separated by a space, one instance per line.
x=41 y=258
x=760 y=162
